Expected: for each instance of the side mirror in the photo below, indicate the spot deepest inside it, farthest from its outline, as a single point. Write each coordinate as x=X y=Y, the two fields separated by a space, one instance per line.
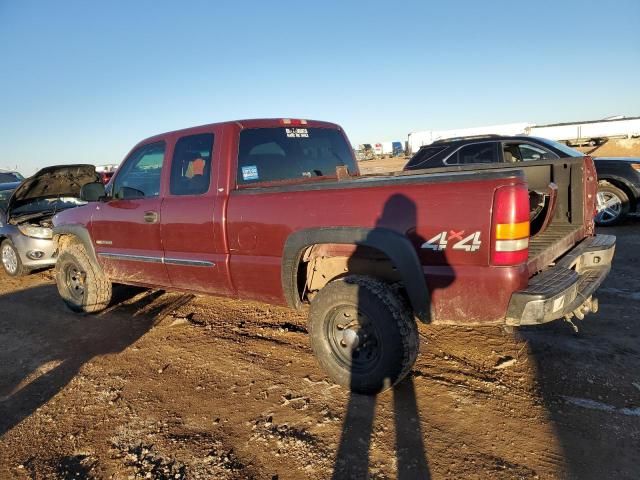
x=129 y=193
x=92 y=192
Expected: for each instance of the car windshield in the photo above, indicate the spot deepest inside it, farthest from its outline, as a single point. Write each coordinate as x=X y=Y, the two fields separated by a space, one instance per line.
x=10 y=177
x=4 y=198
x=38 y=205
x=568 y=151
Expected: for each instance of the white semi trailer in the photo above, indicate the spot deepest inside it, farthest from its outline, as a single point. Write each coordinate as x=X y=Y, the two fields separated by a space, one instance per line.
x=593 y=132
x=426 y=137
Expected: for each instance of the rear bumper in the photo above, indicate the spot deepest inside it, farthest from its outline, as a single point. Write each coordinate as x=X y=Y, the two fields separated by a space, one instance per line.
x=563 y=288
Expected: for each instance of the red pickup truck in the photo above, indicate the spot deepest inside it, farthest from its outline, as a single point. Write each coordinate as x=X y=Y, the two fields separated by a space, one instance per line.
x=275 y=210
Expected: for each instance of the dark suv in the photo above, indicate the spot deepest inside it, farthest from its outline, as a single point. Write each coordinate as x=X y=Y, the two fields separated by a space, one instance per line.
x=618 y=178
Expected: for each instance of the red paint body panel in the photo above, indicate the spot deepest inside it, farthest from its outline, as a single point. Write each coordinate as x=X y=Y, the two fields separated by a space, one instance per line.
x=121 y=222
x=259 y=223
x=243 y=231
x=190 y=226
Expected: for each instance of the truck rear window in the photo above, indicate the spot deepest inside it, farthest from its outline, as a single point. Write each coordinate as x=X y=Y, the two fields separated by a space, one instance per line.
x=273 y=154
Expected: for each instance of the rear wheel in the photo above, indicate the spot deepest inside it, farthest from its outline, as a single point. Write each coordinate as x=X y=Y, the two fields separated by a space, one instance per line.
x=11 y=259
x=362 y=334
x=612 y=204
x=81 y=283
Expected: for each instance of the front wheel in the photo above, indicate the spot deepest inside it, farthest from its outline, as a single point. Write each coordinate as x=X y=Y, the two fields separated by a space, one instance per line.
x=11 y=259
x=612 y=204
x=362 y=334
x=81 y=284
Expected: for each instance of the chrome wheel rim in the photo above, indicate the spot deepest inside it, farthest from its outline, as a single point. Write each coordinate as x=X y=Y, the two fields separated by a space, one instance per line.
x=9 y=259
x=609 y=207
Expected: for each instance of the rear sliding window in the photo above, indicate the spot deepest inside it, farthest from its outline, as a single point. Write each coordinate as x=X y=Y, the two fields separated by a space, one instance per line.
x=273 y=154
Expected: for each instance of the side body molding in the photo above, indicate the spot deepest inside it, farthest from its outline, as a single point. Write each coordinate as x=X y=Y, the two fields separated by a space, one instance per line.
x=394 y=245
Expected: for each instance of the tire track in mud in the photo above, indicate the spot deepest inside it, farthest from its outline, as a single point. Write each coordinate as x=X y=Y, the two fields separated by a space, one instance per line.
x=439 y=364
x=240 y=380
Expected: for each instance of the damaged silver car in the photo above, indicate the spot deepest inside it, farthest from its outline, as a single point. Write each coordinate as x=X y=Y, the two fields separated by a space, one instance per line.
x=26 y=210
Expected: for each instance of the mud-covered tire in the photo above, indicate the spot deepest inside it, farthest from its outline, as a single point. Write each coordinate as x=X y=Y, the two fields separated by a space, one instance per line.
x=383 y=343
x=608 y=192
x=81 y=283
x=11 y=262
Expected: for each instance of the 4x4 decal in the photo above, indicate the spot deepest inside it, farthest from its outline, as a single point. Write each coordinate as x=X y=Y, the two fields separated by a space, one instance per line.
x=470 y=243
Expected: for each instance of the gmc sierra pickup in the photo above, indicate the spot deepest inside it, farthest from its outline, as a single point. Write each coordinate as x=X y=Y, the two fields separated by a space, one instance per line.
x=276 y=210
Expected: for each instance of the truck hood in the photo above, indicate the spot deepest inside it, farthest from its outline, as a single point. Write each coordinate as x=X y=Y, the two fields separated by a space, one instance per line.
x=53 y=182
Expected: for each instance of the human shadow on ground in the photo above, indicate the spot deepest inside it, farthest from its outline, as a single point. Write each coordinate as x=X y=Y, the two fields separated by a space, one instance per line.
x=353 y=457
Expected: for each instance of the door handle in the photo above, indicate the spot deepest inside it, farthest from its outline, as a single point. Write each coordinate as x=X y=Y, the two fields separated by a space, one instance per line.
x=151 y=217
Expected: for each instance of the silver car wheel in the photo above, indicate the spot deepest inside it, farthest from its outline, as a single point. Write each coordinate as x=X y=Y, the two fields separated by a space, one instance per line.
x=609 y=207
x=9 y=259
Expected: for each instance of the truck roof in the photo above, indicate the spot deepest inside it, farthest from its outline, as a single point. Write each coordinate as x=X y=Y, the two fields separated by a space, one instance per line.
x=246 y=123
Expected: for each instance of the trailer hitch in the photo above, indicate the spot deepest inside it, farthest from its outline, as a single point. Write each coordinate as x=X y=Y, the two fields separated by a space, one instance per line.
x=591 y=305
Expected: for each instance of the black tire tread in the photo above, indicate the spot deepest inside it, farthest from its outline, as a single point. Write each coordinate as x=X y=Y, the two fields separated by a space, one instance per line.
x=406 y=325
x=401 y=314
x=98 y=291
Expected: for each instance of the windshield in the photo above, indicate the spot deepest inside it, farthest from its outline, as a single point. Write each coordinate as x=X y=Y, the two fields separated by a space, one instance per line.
x=47 y=205
x=568 y=151
x=10 y=177
x=4 y=198
x=272 y=154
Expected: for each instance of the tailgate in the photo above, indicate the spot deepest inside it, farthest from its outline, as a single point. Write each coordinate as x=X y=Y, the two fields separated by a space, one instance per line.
x=562 y=207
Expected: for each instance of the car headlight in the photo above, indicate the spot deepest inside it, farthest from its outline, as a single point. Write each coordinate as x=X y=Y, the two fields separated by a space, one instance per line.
x=36 y=232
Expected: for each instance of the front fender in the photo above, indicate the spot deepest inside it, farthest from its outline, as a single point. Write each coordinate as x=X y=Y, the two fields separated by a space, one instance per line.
x=81 y=233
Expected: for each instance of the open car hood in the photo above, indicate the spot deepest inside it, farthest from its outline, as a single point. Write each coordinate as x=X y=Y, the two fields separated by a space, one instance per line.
x=52 y=182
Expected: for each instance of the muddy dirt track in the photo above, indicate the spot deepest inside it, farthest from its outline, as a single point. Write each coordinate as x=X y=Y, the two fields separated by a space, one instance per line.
x=170 y=386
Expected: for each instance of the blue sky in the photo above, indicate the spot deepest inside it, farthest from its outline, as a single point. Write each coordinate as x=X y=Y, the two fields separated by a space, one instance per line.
x=84 y=81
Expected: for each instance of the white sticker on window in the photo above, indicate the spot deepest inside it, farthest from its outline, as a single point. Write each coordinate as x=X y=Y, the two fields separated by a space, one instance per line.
x=297 y=132
x=250 y=172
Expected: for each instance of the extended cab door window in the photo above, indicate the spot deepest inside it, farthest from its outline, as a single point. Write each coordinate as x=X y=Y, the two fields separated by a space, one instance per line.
x=274 y=154
x=195 y=252
x=191 y=165
x=139 y=177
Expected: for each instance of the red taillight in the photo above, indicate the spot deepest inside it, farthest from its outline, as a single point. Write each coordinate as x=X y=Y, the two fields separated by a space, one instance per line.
x=510 y=225
x=293 y=121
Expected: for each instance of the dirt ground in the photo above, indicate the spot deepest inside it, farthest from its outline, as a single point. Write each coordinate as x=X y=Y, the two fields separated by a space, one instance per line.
x=170 y=386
